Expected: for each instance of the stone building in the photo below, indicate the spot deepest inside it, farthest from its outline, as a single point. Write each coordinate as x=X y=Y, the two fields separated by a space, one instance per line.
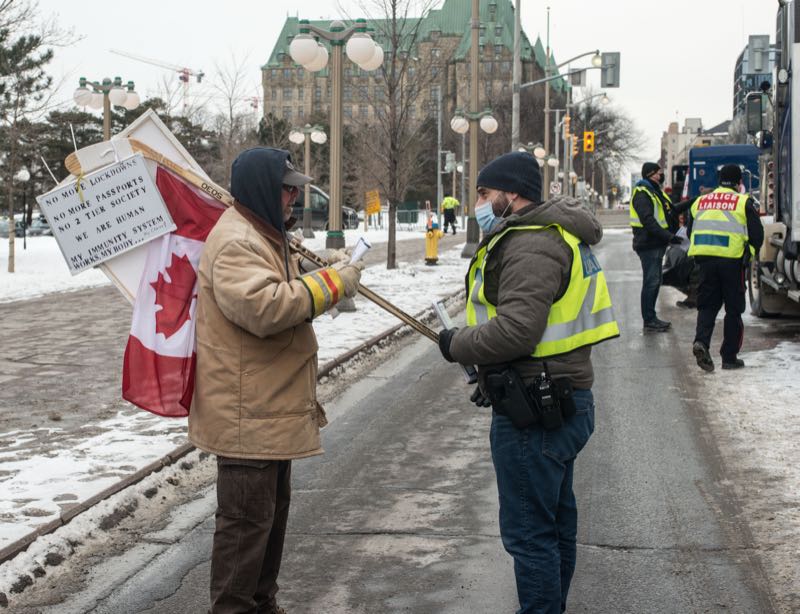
x=440 y=49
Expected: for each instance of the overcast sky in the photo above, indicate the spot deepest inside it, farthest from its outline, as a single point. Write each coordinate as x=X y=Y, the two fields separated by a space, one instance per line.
x=677 y=55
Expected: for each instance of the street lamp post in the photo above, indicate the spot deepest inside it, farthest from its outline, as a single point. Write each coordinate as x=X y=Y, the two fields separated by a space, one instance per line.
x=305 y=135
x=23 y=176
x=307 y=51
x=461 y=123
x=103 y=95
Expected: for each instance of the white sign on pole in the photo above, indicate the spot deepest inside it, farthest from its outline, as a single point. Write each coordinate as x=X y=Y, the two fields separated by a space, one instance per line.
x=116 y=209
x=555 y=188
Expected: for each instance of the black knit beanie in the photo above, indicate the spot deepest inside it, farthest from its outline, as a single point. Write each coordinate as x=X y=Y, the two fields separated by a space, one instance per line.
x=730 y=175
x=516 y=172
x=648 y=168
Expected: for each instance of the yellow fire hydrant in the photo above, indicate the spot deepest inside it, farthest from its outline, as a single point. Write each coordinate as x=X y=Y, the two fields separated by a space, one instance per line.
x=432 y=236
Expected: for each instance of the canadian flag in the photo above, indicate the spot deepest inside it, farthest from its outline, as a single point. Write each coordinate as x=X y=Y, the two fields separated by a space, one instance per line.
x=159 y=363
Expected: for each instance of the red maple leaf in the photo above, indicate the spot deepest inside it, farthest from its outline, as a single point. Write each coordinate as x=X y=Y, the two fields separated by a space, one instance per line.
x=174 y=296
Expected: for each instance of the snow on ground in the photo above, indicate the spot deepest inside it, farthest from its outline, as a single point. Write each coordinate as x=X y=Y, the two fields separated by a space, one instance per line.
x=40 y=269
x=37 y=487
x=756 y=425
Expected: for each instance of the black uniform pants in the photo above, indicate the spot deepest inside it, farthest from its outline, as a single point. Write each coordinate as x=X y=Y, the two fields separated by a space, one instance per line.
x=721 y=283
x=450 y=220
x=252 y=511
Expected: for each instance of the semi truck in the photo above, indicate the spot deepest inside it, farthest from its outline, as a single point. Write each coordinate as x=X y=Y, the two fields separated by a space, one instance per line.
x=774 y=286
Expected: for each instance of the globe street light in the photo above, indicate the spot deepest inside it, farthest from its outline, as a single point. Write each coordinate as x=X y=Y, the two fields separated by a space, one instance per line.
x=460 y=123
x=104 y=94
x=307 y=51
x=306 y=134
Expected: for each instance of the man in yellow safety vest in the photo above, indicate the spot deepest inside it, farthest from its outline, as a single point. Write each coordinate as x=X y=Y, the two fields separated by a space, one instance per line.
x=449 y=205
x=652 y=226
x=725 y=233
x=537 y=303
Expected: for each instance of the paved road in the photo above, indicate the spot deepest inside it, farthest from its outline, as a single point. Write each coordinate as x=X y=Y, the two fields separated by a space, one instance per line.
x=400 y=514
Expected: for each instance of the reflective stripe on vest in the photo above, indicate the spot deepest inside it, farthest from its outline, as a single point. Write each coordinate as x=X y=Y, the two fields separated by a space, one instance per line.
x=583 y=316
x=658 y=208
x=720 y=224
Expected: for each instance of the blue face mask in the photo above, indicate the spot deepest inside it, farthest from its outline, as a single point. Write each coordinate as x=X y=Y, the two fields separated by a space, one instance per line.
x=486 y=218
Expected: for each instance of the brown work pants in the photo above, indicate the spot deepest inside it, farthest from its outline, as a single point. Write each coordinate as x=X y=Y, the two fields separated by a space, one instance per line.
x=252 y=509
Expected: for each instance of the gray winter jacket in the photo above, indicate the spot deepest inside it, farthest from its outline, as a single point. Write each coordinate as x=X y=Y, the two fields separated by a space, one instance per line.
x=527 y=273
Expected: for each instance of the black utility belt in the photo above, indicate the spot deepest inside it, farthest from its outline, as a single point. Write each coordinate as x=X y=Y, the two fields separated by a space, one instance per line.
x=547 y=402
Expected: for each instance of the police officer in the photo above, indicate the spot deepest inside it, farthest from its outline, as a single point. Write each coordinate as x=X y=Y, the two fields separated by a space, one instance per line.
x=650 y=220
x=725 y=233
x=538 y=301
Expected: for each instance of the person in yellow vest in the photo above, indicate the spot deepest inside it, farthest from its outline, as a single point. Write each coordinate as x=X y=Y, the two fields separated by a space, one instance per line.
x=537 y=303
x=448 y=208
x=725 y=232
x=653 y=228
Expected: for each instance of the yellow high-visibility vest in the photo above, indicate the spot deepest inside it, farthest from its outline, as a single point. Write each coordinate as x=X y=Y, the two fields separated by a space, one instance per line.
x=719 y=226
x=658 y=207
x=583 y=316
x=449 y=203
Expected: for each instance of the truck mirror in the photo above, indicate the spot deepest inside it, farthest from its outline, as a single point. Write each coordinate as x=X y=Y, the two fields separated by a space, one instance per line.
x=754 y=113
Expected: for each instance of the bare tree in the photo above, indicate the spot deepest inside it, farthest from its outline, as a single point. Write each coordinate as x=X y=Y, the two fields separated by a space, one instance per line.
x=235 y=122
x=392 y=151
x=618 y=141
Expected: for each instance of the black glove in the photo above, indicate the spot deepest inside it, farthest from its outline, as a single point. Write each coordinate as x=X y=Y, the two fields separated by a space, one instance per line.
x=445 y=337
x=479 y=398
x=676 y=240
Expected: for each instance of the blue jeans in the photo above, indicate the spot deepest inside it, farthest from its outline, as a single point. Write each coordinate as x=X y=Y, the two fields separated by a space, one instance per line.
x=538 y=512
x=652 y=261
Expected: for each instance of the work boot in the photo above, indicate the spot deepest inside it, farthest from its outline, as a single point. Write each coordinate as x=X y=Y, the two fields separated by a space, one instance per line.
x=687 y=304
x=663 y=323
x=656 y=326
x=736 y=363
x=703 y=357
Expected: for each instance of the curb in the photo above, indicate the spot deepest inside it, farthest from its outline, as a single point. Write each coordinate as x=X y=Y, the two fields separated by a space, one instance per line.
x=14 y=548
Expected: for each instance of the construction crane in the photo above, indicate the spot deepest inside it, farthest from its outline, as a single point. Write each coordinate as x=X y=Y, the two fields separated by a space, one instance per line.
x=184 y=73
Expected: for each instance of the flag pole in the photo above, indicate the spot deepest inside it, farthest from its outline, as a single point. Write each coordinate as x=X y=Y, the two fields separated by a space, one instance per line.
x=221 y=195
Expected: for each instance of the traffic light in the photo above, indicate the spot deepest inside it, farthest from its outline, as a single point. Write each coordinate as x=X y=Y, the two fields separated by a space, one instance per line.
x=566 y=125
x=609 y=69
x=588 y=141
x=574 y=145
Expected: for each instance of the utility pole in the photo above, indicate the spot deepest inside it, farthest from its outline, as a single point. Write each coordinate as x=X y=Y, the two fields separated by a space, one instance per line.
x=517 y=80
x=547 y=108
x=439 y=194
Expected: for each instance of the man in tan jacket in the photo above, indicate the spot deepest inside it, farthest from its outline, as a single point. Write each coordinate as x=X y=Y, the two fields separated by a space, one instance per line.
x=255 y=403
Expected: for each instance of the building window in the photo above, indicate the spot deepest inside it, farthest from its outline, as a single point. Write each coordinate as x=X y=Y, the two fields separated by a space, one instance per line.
x=505 y=66
x=363 y=111
x=348 y=72
x=498 y=30
x=274 y=93
x=436 y=52
x=378 y=92
x=348 y=112
x=435 y=35
x=300 y=113
x=300 y=73
x=434 y=71
x=300 y=93
x=498 y=49
x=287 y=93
x=287 y=113
x=363 y=93
x=435 y=93
x=347 y=92
x=274 y=73
x=287 y=73
x=318 y=93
